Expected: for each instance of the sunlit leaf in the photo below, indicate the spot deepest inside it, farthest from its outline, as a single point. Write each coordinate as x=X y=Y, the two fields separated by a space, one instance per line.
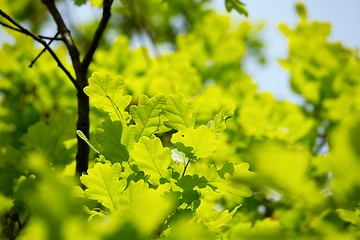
x=219 y=123
x=152 y=158
x=146 y=208
x=178 y=112
x=147 y=115
x=285 y=169
x=202 y=141
x=103 y=184
x=106 y=92
x=219 y=181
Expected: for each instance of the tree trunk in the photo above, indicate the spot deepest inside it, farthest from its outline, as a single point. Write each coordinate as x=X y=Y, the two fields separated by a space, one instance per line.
x=83 y=124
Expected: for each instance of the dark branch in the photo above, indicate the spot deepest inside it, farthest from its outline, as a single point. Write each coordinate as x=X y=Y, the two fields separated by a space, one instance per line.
x=40 y=36
x=106 y=14
x=44 y=49
x=65 y=33
x=10 y=27
x=50 y=38
x=25 y=31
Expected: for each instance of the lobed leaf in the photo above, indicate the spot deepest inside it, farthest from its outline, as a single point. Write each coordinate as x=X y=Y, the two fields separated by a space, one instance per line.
x=219 y=123
x=237 y=5
x=146 y=208
x=103 y=184
x=109 y=137
x=147 y=115
x=178 y=112
x=152 y=158
x=202 y=141
x=106 y=92
x=220 y=183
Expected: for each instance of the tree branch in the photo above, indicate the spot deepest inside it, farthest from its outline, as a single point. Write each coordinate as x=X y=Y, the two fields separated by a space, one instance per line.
x=50 y=38
x=106 y=14
x=10 y=27
x=42 y=51
x=66 y=35
x=25 y=31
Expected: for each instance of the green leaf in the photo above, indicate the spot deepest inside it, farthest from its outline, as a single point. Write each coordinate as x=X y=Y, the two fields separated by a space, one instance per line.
x=146 y=208
x=219 y=123
x=178 y=112
x=106 y=92
x=5 y=204
x=202 y=141
x=83 y=137
x=80 y=2
x=9 y=163
x=50 y=138
x=220 y=182
x=147 y=115
x=349 y=215
x=286 y=170
x=224 y=218
x=128 y=138
x=188 y=183
x=237 y=5
x=152 y=159
x=103 y=184
x=109 y=137
x=96 y=3
x=301 y=10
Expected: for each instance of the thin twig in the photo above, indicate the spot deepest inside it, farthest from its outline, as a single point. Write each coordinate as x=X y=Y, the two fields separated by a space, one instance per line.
x=40 y=36
x=42 y=42
x=42 y=51
x=50 y=38
x=186 y=166
x=11 y=27
x=106 y=14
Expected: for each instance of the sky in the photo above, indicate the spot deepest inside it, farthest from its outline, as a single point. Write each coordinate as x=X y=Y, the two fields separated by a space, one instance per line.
x=343 y=15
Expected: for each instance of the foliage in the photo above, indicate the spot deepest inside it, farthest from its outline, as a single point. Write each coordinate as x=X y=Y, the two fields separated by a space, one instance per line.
x=183 y=145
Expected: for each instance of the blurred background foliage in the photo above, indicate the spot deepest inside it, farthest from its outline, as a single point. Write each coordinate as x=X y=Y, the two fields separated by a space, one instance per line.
x=303 y=159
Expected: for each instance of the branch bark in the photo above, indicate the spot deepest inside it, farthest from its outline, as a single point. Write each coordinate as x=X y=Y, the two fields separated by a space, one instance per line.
x=81 y=70
x=106 y=14
x=65 y=33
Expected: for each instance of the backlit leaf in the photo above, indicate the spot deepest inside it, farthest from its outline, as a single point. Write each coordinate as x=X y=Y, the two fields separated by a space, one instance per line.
x=178 y=112
x=146 y=208
x=221 y=184
x=103 y=184
x=147 y=115
x=219 y=123
x=202 y=141
x=106 y=92
x=152 y=158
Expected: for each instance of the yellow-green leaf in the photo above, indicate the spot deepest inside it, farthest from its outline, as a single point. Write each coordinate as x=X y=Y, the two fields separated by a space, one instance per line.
x=178 y=112
x=103 y=184
x=150 y=156
x=202 y=141
x=147 y=115
x=106 y=92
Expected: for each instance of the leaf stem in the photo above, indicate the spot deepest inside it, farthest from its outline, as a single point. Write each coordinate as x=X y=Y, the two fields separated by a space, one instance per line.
x=185 y=167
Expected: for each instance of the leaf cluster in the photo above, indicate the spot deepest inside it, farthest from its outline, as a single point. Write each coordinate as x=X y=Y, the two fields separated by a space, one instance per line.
x=183 y=144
